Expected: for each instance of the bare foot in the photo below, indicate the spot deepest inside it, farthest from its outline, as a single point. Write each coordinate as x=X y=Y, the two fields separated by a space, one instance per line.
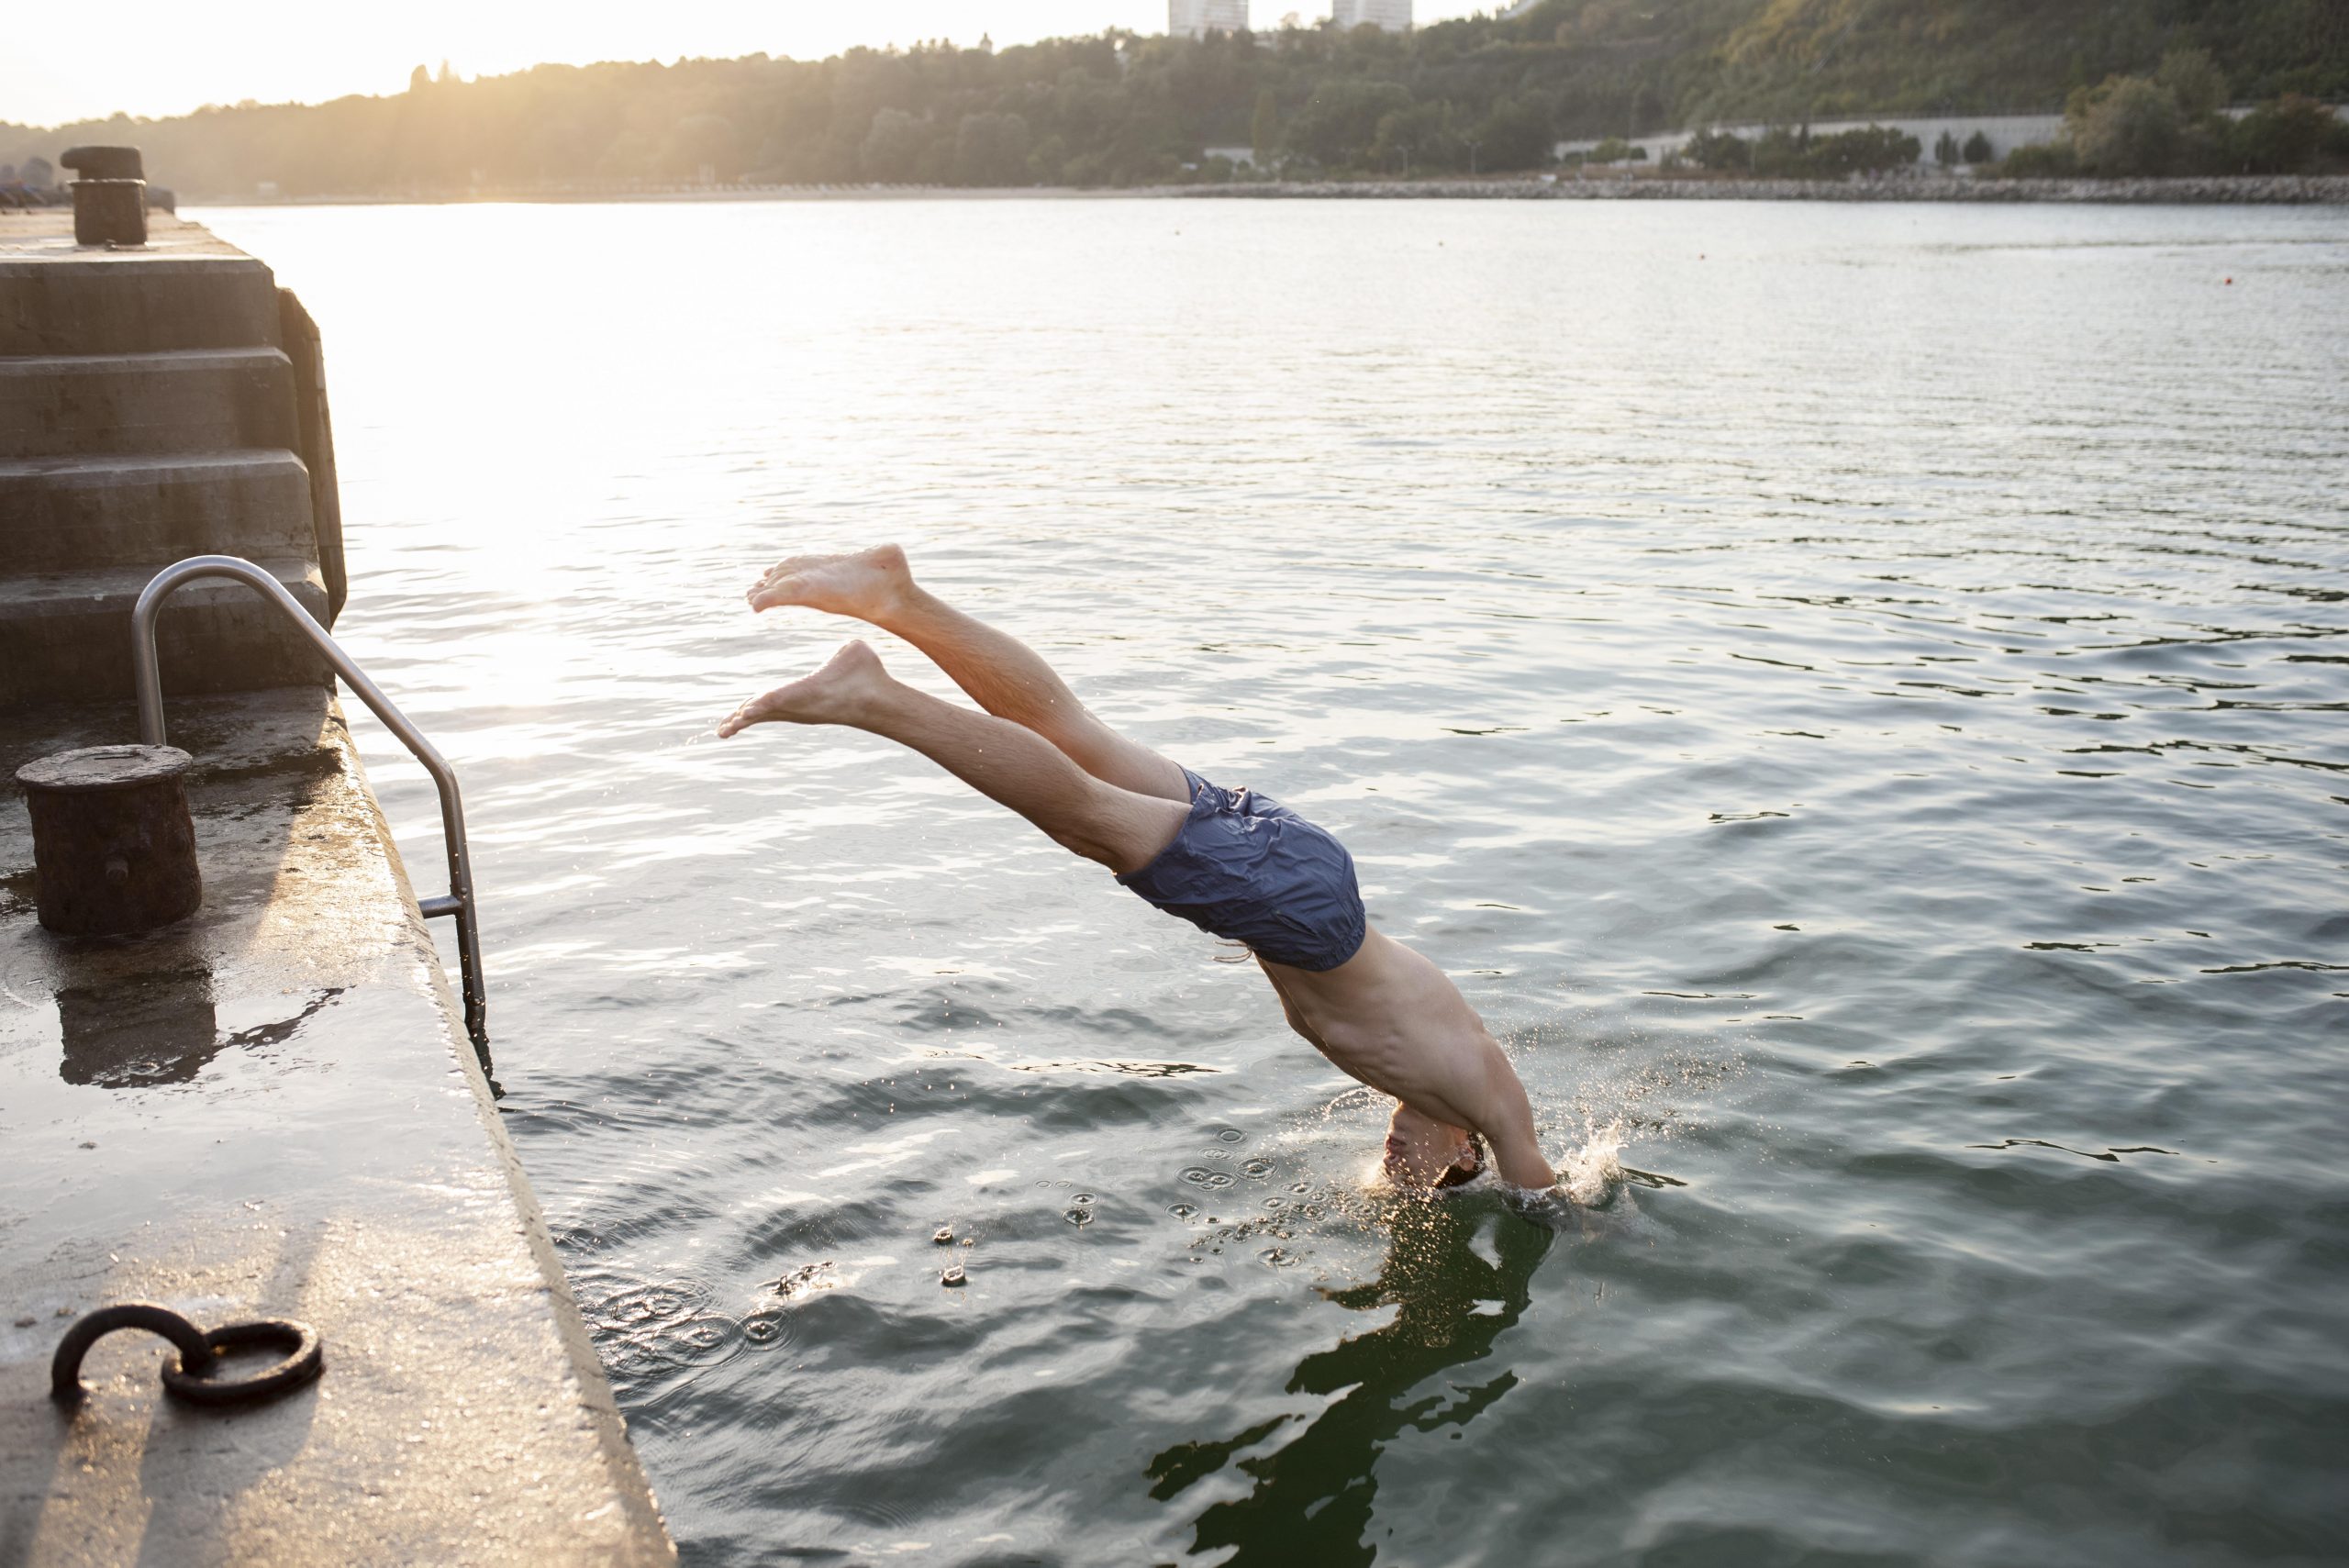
x=866 y=585
x=836 y=693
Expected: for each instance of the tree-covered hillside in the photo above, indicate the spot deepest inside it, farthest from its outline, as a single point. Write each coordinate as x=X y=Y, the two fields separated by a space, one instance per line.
x=1118 y=108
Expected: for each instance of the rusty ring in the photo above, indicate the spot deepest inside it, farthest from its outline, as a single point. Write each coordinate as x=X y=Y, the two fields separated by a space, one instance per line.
x=65 y=1385
x=301 y=1362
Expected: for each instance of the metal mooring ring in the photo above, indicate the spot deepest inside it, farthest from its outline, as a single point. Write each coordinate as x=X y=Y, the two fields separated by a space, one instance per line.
x=301 y=1362
x=65 y=1384
x=185 y=1375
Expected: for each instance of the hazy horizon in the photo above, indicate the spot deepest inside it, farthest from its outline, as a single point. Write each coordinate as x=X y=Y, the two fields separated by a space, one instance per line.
x=172 y=60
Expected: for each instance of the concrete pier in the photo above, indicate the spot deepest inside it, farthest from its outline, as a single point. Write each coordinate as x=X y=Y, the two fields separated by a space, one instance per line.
x=268 y=1109
x=113 y=363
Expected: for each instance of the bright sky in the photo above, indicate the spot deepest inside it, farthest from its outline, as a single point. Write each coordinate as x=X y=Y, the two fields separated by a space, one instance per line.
x=165 y=56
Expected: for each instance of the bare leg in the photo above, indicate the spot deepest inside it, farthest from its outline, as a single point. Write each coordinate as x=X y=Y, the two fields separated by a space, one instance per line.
x=999 y=672
x=1004 y=761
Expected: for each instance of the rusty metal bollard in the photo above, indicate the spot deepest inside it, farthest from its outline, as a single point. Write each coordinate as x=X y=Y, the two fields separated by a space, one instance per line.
x=114 y=847
x=110 y=198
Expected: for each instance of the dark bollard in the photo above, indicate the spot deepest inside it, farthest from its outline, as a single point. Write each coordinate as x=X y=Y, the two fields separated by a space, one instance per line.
x=114 y=847
x=110 y=198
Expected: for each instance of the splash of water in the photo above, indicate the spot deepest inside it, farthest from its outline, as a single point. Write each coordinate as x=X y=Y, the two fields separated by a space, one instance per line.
x=1592 y=1169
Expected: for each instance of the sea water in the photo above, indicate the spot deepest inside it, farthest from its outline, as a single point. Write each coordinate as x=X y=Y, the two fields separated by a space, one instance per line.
x=1853 y=693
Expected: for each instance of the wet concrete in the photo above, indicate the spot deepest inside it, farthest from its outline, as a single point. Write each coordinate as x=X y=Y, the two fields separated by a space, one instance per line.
x=270 y=1110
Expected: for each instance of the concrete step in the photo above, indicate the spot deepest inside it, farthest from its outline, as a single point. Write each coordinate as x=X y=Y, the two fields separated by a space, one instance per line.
x=126 y=303
x=78 y=514
x=65 y=636
x=186 y=400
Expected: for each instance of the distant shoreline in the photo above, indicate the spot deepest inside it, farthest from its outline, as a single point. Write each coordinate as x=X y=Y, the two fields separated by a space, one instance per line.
x=2224 y=190
x=2268 y=190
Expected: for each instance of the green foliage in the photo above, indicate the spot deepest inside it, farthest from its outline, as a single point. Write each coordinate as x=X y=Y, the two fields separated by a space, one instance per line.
x=2194 y=83
x=1264 y=125
x=2283 y=136
x=1788 y=154
x=894 y=146
x=1718 y=151
x=1945 y=150
x=1872 y=150
x=2041 y=160
x=2126 y=126
x=1339 y=123
x=1421 y=136
x=1515 y=134
x=1121 y=108
x=991 y=149
x=1977 y=149
x=1614 y=150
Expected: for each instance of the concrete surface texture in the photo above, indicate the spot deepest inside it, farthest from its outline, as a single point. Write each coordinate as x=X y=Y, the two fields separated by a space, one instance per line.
x=270 y=1110
x=156 y=401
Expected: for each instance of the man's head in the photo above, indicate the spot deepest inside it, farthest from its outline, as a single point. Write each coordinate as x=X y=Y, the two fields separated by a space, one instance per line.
x=1424 y=1153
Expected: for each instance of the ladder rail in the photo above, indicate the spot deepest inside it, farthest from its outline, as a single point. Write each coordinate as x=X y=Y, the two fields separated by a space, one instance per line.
x=148 y=677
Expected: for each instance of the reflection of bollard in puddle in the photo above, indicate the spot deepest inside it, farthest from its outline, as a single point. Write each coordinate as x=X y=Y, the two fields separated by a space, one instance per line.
x=110 y=198
x=114 y=847
x=161 y=1029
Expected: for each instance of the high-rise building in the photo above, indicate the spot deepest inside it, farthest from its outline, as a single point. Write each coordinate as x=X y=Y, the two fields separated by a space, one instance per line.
x=1198 y=19
x=1392 y=15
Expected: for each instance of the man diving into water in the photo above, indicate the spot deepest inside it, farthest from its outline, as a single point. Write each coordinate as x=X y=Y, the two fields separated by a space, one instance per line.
x=1229 y=861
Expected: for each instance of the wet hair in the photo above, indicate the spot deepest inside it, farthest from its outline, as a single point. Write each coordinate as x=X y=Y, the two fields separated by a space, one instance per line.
x=1454 y=1175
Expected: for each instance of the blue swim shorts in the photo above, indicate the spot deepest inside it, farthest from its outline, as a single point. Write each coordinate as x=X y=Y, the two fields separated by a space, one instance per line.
x=1251 y=869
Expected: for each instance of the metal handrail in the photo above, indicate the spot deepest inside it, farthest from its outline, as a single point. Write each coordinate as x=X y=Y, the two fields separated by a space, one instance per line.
x=148 y=676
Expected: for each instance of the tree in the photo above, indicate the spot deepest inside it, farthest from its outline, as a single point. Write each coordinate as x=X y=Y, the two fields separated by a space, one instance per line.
x=1264 y=127
x=1339 y=123
x=893 y=147
x=1873 y=150
x=1515 y=134
x=1718 y=151
x=418 y=79
x=705 y=142
x=2124 y=126
x=1945 y=152
x=2041 y=160
x=2282 y=137
x=1048 y=160
x=2194 y=81
x=1977 y=149
x=1614 y=150
x=1423 y=131
x=991 y=149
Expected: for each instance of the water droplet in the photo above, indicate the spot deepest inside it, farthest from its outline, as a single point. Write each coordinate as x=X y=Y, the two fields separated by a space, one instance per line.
x=953 y=1275
x=1229 y=1135
x=1257 y=1170
x=1079 y=1216
x=1082 y=1198
x=942 y=1235
x=1183 y=1210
